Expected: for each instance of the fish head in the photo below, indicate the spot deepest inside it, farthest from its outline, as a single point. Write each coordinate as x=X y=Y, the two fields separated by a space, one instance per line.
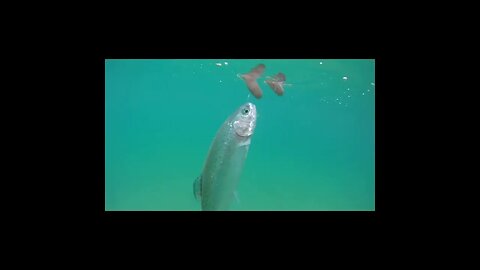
x=245 y=120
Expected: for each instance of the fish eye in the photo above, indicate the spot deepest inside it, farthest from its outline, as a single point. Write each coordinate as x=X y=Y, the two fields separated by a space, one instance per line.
x=245 y=111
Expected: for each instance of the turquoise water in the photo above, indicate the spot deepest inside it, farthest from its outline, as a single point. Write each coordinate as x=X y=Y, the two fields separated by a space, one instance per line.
x=313 y=147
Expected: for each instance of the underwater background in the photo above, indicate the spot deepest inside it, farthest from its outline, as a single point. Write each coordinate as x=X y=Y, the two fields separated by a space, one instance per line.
x=313 y=148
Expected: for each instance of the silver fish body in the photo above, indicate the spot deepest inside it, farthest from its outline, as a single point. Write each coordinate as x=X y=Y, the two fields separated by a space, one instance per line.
x=216 y=186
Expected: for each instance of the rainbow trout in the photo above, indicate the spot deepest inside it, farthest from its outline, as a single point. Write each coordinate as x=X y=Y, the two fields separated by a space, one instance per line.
x=216 y=187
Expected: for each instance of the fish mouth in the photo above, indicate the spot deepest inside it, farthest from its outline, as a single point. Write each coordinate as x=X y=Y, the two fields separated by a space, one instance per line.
x=252 y=107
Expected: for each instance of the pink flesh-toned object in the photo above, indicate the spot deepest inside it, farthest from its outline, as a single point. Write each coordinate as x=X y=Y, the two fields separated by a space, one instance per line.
x=252 y=85
x=279 y=89
x=276 y=83
x=280 y=77
x=251 y=80
x=257 y=71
